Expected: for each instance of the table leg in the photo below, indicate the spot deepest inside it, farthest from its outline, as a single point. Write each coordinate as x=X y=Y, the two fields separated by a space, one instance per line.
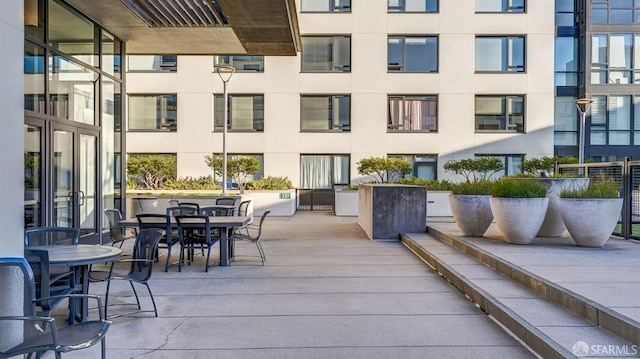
x=224 y=247
x=79 y=310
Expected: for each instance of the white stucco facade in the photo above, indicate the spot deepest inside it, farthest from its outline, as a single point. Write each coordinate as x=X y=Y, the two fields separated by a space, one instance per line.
x=369 y=84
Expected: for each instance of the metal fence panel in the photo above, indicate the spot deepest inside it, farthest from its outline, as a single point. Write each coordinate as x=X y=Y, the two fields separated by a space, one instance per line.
x=316 y=200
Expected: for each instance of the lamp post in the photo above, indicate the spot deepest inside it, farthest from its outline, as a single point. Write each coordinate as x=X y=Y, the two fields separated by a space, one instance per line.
x=583 y=105
x=225 y=72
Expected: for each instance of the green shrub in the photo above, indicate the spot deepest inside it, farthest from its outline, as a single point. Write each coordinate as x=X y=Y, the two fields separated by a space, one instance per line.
x=478 y=188
x=536 y=166
x=189 y=183
x=384 y=170
x=270 y=183
x=596 y=189
x=475 y=169
x=518 y=188
x=431 y=184
x=150 y=171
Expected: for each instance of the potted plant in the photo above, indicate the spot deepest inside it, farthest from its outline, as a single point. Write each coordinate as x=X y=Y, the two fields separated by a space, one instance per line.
x=591 y=214
x=519 y=207
x=543 y=170
x=469 y=200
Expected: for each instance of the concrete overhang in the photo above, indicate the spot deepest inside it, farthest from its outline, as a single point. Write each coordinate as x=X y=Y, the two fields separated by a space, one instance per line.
x=252 y=27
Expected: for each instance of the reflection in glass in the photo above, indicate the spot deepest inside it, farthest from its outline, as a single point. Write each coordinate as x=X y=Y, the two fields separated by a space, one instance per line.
x=32 y=176
x=88 y=179
x=72 y=90
x=152 y=63
x=153 y=112
x=34 y=19
x=111 y=54
x=111 y=146
x=34 y=78
x=62 y=173
x=72 y=33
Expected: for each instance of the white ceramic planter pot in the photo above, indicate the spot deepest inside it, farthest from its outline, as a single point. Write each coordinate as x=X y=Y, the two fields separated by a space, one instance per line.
x=553 y=226
x=519 y=219
x=590 y=221
x=472 y=213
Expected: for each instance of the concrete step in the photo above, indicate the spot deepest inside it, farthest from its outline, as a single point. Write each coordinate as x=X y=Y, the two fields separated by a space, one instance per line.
x=522 y=306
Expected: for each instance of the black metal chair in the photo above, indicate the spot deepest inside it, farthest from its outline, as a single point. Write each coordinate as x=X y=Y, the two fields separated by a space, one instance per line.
x=145 y=251
x=160 y=221
x=118 y=234
x=243 y=210
x=195 y=232
x=181 y=211
x=40 y=333
x=51 y=236
x=257 y=230
x=229 y=201
x=191 y=206
x=216 y=211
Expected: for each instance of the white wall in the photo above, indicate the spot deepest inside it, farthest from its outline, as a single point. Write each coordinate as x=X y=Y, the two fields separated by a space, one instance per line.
x=456 y=84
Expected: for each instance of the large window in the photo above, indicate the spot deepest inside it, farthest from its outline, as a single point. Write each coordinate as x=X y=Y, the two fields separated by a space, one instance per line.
x=500 y=5
x=243 y=63
x=565 y=124
x=413 y=113
x=500 y=113
x=611 y=120
x=326 y=5
x=246 y=112
x=500 y=54
x=324 y=171
x=152 y=63
x=413 y=53
x=413 y=5
x=512 y=164
x=72 y=90
x=423 y=166
x=324 y=112
x=615 y=58
x=153 y=112
x=566 y=61
x=72 y=33
x=615 y=11
x=326 y=53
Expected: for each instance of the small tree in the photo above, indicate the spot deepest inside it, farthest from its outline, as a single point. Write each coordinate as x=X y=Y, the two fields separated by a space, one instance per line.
x=537 y=166
x=239 y=168
x=384 y=170
x=151 y=170
x=475 y=169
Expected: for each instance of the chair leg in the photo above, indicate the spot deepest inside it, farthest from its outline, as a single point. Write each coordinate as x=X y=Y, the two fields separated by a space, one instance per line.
x=206 y=265
x=135 y=293
x=166 y=266
x=106 y=299
x=103 y=347
x=261 y=251
x=155 y=310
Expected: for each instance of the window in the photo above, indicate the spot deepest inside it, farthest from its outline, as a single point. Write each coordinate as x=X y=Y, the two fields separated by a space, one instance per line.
x=500 y=5
x=332 y=113
x=326 y=53
x=150 y=63
x=246 y=112
x=566 y=61
x=615 y=58
x=326 y=5
x=615 y=11
x=424 y=166
x=565 y=13
x=500 y=54
x=500 y=113
x=153 y=112
x=412 y=54
x=243 y=63
x=324 y=171
x=565 y=125
x=512 y=164
x=611 y=119
x=413 y=113
x=413 y=5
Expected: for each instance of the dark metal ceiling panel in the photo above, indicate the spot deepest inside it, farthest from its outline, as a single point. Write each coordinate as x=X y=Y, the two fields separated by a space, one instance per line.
x=177 y=13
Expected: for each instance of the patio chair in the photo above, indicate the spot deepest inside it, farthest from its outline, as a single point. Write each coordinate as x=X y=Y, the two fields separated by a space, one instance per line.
x=228 y=201
x=145 y=251
x=160 y=221
x=243 y=210
x=118 y=234
x=257 y=230
x=195 y=232
x=174 y=203
x=181 y=211
x=216 y=211
x=40 y=333
x=51 y=236
x=194 y=206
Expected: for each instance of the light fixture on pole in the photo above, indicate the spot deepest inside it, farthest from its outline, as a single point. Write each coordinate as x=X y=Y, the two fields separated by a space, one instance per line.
x=225 y=72
x=583 y=105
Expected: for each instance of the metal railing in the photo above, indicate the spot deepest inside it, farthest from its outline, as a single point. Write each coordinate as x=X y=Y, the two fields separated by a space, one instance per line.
x=627 y=174
x=316 y=199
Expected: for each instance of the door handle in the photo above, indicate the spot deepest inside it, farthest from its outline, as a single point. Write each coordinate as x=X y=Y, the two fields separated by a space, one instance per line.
x=81 y=196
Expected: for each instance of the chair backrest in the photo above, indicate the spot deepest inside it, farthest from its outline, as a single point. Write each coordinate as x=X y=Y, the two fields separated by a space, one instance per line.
x=115 y=216
x=227 y=201
x=49 y=236
x=188 y=225
x=181 y=211
x=190 y=205
x=19 y=271
x=155 y=221
x=243 y=210
x=216 y=211
x=145 y=248
x=264 y=215
x=174 y=203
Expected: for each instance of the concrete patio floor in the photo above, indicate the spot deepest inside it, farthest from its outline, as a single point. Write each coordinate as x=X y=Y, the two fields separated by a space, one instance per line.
x=326 y=291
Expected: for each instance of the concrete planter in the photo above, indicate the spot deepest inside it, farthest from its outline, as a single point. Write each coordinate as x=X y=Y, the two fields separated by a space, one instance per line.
x=519 y=219
x=438 y=204
x=346 y=202
x=472 y=213
x=553 y=225
x=590 y=221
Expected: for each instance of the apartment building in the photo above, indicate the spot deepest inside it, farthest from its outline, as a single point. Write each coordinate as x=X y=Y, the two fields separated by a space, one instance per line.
x=425 y=80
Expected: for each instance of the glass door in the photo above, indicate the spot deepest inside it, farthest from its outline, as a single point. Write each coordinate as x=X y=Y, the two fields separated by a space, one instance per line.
x=74 y=178
x=33 y=144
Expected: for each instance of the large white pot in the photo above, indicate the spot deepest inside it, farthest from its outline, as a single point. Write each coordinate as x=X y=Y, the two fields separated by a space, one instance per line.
x=553 y=226
x=472 y=213
x=519 y=219
x=590 y=221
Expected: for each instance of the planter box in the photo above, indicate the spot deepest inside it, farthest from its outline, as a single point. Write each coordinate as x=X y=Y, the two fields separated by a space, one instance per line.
x=346 y=202
x=437 y=203
x=386 y=210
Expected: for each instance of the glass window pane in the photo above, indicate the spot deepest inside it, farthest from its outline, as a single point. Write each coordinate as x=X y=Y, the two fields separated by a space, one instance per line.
x=152 y=63
x=72 y=33
x=490 y=54
x=619 y=138
x=598 y=110
x=32 y=175
x=421 y=54
x=111 y=52
x=315 y=5
x=395 y=54
x=516 y=54
x=153 y=112
x=72 y=90
x=34 y=19
x=619 y=112
x=620 y=50
x=34 y=66
x=565 y=5
x=565 y=139
x=566 y=57
x=489 y=6
x=315 y=112
x=565 y=114
x=342 y=113
x=621 y=16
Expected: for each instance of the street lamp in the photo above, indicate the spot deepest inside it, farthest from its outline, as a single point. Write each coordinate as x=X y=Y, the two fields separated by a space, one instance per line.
x=583 y=105
x=225 y=72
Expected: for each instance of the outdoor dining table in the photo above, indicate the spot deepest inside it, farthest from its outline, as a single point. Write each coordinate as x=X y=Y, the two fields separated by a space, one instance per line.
x=223 y=223
x=80 y=257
